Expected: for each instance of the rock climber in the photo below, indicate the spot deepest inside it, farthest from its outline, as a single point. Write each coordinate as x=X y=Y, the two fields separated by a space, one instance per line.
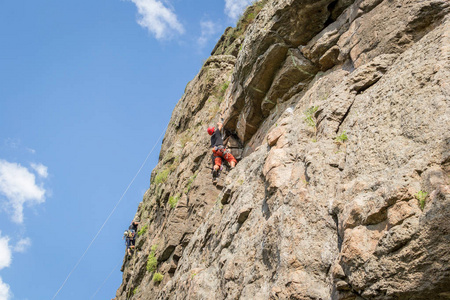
x=130 y=240
x=219 y=151
x=130 y=236
x=134 y=225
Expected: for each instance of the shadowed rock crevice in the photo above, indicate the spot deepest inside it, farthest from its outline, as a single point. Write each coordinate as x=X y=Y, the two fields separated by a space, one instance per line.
x=345 y=116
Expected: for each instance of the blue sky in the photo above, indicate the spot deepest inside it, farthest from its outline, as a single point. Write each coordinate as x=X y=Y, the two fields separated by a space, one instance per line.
x=86 y=89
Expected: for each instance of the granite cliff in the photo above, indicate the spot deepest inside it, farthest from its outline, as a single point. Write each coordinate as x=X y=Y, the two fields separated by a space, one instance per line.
x=339 y=111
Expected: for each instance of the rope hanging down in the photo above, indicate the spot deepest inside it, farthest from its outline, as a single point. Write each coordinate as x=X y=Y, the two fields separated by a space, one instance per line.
x=100 y=287
x=112 y=212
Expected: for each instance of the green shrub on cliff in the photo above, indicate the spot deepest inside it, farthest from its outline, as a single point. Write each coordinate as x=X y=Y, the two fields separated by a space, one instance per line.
x=136 y=290
x=143 y=230
x=221 y=90
x=158 y=277
x=152 y=261
x=224 y=87
x=340 y=139
x=161 y=177
x=310 y=119
x=421 y=197
x=173 y=200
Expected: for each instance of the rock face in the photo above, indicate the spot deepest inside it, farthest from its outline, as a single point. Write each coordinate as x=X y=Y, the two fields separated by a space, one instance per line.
x=342 y=110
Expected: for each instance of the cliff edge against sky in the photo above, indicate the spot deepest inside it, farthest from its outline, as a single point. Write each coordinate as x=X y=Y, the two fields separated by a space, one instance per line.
x=339 y=111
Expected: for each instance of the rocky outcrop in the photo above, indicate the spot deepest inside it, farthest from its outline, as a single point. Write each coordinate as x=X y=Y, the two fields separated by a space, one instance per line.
x=343 y=191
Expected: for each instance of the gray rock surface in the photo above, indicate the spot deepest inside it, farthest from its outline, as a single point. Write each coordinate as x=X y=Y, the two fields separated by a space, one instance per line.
x=326 y=202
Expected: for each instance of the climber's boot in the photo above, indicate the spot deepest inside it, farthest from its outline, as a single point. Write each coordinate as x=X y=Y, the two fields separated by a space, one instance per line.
x=215 y=175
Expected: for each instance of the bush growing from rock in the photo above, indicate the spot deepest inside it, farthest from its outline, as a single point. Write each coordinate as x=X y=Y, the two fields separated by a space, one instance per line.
x=311 y=120
x=421 y=197
x=152 y=261
x=158 y=277
x=173 y=200
x=136 y=290
x=143 y=230
x=340 y=139
x=162 y=176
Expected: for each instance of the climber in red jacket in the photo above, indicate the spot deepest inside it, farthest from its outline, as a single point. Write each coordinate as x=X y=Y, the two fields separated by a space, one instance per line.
x=218 y=149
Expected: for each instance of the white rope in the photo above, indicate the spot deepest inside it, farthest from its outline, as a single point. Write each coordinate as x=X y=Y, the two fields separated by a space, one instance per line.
x=92 y=297
x=112 y=212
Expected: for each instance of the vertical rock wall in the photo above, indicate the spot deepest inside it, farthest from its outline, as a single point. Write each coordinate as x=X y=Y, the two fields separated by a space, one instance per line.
x=343 y=192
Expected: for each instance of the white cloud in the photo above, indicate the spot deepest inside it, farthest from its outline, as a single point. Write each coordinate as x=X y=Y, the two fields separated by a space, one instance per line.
x=5 y=293
x=40 y=169
x=234 y=8
x=22 y=245
x=19 y=187
x=6 y=259
x=5 y=252
x=157 y=18
x=209 y=29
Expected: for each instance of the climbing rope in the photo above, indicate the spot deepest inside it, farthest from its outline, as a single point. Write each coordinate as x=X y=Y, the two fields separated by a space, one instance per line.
x=134 y=265
x=92 y=297
x=112 y=212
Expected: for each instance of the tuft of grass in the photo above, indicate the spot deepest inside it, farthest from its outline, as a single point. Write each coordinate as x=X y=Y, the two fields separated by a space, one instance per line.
x=221 y=89
x=161 y=177
x=143 y=230
x=310 y=118
x=173 y=200
x=136 y=290
x=152 y=261
x=158 y=277
x=340 y=139
x=224 y=87
x=421 y=197
x=248 y=17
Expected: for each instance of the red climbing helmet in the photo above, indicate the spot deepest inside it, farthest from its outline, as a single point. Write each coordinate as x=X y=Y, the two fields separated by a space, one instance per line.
x=211 y=130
